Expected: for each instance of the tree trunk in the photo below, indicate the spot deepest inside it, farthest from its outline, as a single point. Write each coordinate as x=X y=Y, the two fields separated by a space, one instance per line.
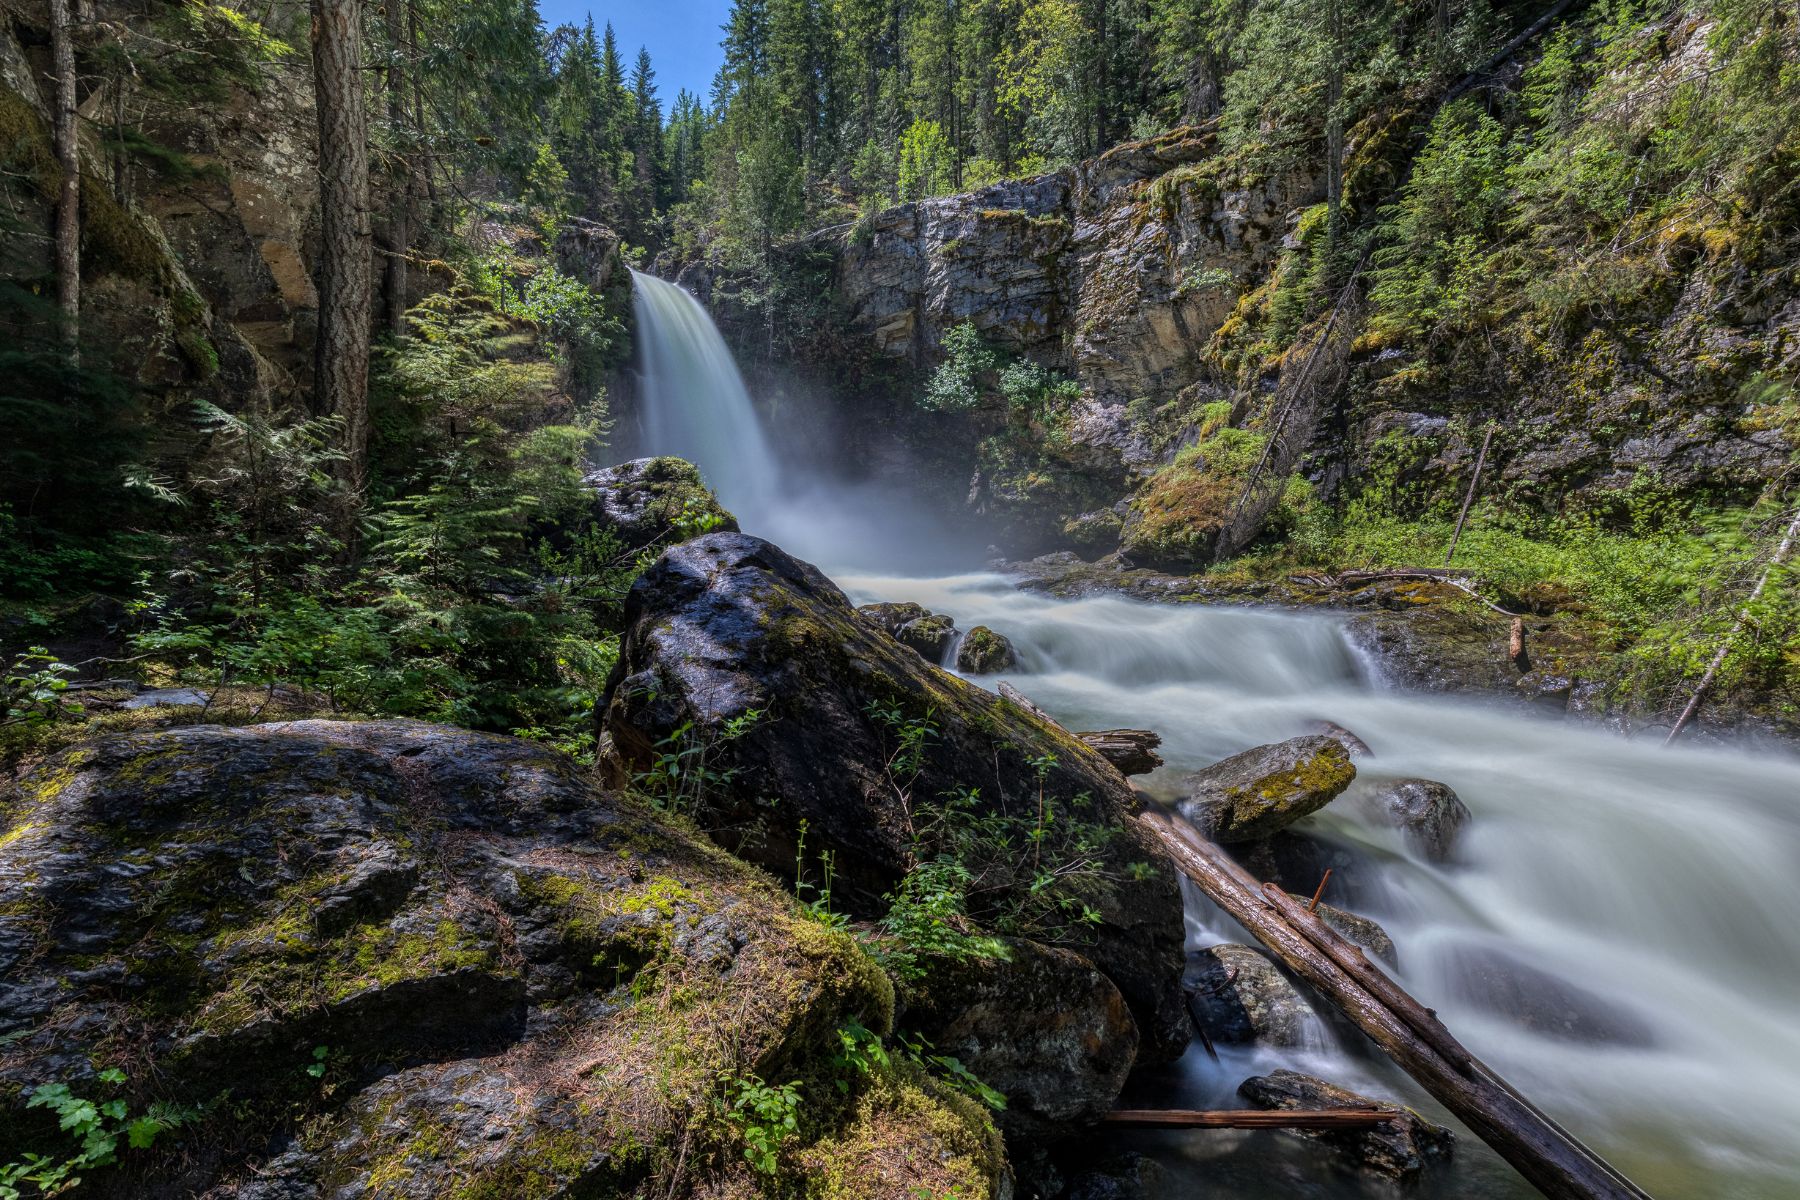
x=1334 y=133
x=347 y=277
x=65 y=132
x=400 y=214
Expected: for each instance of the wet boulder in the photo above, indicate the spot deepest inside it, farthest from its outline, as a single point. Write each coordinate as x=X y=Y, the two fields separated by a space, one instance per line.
x=1400 y=1149
x=1236 y=995
x=652 y=502
x=1132 y=751
x=1041 y=1025
x=465 y=923
x=1264 y=790
x=803 y=706
x=984 y=652
x=1430 y=813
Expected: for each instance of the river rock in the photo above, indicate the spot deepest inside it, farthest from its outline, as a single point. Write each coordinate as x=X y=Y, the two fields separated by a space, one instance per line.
x=1237 y=995
x=1297 y=861
x=984 y=652
x=931 y=634
x=1535 y=1000
x=466 y=924
x=651 y=502
x=728 y=625
x=1262 y=791
x=1363 y=931
x=1431 y=814
x=1042 y=1025
x=1399 y=1150
x=1132 y=751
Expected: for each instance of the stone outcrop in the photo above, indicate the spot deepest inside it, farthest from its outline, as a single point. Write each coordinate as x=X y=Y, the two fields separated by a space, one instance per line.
x=804 y=708
x=931 y=634
x=984 y=652
x=1399 y=1150
x=522 y=985
x=1262 y=791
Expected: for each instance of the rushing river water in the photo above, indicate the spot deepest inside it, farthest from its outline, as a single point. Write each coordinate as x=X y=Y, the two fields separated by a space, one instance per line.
x=1619 y=934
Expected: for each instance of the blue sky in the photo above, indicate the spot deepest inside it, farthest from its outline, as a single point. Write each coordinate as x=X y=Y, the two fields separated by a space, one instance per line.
x=681 y=35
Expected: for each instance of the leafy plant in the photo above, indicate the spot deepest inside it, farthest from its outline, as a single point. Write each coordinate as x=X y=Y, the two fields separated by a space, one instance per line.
x=764 y=1116
x=97 y=1129
x=33 y=688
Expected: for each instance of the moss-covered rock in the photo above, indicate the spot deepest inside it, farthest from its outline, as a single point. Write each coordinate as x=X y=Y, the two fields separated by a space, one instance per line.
x=802 y=706
x=523 y=986
x=984 y=652
x=654 y=502
x=1262 y=791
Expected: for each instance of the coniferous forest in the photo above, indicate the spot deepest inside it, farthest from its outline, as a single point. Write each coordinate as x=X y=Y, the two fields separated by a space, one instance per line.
x=1040 y=598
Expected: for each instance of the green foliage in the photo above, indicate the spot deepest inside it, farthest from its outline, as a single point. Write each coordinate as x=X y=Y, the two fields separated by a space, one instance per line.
x=928 y=917
x=574 y=317
x=958 y=383
x=927 y=166
x=96 y=1127
x=764 y=1116
x=33 y=689
x=680 y=776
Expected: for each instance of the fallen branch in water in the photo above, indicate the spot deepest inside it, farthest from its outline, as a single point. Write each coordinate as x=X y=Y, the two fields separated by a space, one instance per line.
x=1545 y=1153
x=1718 y=660
x=1251 y=1118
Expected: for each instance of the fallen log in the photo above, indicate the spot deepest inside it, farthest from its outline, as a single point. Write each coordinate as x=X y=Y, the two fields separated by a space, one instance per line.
x=1551 y=1158
x=1251 y=1118
x=1133 y=751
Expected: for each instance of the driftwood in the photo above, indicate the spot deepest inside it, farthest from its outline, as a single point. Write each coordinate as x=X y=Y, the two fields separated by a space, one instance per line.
x=1457 y=579
x=1546 y=1154
x=1724 y=651
x=1251 y=1118
x=1133 y=751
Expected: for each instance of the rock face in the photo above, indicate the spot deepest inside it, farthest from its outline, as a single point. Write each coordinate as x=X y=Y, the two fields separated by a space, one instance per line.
x=651 y=502
x=1431 y=813
x=931 y=634
x=1237 y=995
x=1262 y=791
x=803 y=704
x=1043 y=1026
x=984 y=652
x=524 y=986
x=1399 y=1150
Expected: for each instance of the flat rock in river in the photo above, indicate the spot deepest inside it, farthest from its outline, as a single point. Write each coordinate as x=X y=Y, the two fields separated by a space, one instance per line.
x=1400 y=1149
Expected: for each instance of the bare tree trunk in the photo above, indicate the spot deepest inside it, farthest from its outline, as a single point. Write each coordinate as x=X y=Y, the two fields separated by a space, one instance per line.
x=400 y=214
x=1334 y=133
x=1474 y=482
x=66 y=134
x=346 y=294
x=1724 y=651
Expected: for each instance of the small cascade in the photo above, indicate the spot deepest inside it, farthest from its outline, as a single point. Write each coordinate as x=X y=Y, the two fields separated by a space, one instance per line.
x=695 y=404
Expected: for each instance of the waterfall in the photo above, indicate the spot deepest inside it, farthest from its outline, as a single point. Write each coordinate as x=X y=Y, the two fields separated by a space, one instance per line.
x=695 y=404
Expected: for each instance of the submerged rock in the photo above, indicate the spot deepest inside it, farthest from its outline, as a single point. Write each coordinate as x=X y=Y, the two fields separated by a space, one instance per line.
x=467 y=925
x=651 y=502
x=733 y=644
x=1043 y=1026
x=1430 y=813
x=984 y=652
x=1237 y=995
x=1262 y=791
x=1399 y=1150
x=1497 y=982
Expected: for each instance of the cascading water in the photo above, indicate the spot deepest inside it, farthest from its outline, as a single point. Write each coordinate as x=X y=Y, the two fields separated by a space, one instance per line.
x=695 y=404
x=1618 y=935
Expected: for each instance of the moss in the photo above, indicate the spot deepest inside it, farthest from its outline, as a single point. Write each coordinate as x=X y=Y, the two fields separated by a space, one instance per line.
x=906 y=1136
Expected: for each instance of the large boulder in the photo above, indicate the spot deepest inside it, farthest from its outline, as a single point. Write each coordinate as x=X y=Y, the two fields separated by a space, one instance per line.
x=1237 y=995
x=1262 y=791
x=1430 y=813
x=1041 y=1025
x=1502 y=985
x=653 y=502
x=1400 y=1149
x=807 y=712
x=509 y=982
